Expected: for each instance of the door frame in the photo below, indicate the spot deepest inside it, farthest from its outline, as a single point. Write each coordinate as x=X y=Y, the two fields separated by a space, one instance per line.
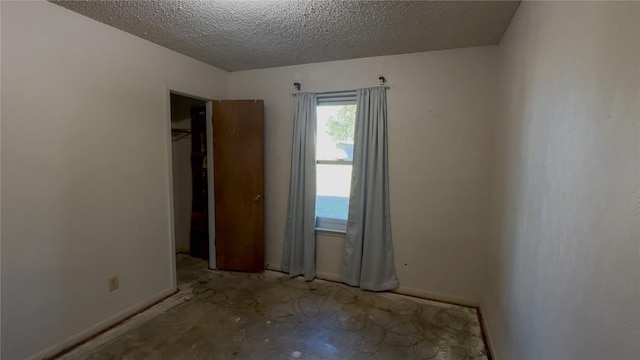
x=181 y=90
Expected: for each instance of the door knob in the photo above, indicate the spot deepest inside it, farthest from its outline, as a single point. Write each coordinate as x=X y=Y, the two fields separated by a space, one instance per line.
x=257 y=198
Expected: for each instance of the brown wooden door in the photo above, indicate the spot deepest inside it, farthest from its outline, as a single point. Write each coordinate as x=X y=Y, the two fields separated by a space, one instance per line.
x=238 y=164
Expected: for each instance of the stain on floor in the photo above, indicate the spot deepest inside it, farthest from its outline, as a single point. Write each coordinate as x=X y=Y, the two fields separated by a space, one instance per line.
x=230 y=315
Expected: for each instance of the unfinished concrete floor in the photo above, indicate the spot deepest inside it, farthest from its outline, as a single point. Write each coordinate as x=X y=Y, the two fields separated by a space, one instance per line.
x=228 y=315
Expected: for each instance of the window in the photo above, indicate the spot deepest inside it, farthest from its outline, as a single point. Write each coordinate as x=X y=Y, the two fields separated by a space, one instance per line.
x=334 y=153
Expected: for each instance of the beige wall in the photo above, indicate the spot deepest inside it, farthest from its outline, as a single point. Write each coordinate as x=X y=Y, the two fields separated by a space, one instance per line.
x=440 y=109
x=182 y=193
x=0 y=178
x=86 y=181
x=564 y=260
x=85 y=173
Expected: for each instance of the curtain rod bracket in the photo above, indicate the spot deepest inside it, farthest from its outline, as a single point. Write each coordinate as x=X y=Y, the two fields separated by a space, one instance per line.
x=383 y=81
x=297 y=86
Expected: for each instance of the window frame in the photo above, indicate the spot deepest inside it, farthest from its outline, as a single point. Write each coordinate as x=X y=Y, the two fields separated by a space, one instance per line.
x=332 y=99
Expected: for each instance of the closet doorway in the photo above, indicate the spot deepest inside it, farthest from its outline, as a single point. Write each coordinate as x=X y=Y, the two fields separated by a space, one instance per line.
x=218 y=181
x=189 y=149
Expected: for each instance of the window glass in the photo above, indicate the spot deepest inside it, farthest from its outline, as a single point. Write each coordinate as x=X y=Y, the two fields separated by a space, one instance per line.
x=333 y=185
x=334 y=151
x=335 y=132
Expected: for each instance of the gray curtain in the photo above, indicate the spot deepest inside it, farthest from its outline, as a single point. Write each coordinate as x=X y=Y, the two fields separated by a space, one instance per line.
x=368 y=254
x=299 y=251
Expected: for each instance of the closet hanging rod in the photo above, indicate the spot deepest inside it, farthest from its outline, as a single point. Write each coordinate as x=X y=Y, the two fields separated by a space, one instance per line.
x=180 y=137
x=187 y=131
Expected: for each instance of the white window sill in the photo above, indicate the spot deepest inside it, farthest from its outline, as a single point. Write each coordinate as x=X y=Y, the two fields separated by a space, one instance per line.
x=331 y=225
x=331 y=232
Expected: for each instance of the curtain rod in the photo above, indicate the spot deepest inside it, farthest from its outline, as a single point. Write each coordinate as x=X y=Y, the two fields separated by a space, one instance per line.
x=342 y=91
x=383 y=83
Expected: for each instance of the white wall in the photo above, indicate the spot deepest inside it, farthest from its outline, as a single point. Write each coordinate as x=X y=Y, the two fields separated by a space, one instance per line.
x=85 y=173
x=0 y=176
x=85 y=177
x=440 y=109
x=182 y=193
x=564 y=259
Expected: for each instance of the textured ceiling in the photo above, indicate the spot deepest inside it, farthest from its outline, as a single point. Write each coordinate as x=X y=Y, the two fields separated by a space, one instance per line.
x=240 y=35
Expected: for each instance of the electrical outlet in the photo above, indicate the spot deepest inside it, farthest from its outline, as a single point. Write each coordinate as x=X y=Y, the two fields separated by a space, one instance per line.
x=113 y=283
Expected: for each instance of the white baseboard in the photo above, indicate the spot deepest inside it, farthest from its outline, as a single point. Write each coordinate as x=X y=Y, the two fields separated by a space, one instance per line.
x=272 y=267
x=424 y=294
x=100 y=326
x=403 y=290
x=432 y=295
x=329 y=276
x=487 y=333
